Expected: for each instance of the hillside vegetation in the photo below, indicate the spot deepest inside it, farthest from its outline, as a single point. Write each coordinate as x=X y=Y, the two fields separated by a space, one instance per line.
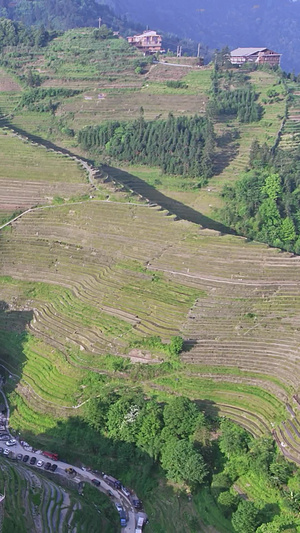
x=46 y=506
x=127 y=334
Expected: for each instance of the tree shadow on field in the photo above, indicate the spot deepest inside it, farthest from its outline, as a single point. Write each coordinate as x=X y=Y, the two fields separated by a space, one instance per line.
x=134 y=183
x=154 y=196
x=209 y=407
x=13 y=334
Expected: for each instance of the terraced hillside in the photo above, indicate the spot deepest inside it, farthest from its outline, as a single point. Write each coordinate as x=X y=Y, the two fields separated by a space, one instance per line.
x=30 y=175
x=46 y=507
x=291 y=131
x=93 y=285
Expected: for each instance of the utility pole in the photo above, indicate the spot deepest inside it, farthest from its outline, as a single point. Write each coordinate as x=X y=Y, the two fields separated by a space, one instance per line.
x=179 y=51
x=199 y=47
x=100 y=22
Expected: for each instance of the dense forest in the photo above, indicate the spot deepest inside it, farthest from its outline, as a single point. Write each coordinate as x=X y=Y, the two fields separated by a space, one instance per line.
x=67 y=14
x=232 y=94
x=264 y=203
x=180 y=438
x=59 y=14
x=14 y=33
x=182 y=146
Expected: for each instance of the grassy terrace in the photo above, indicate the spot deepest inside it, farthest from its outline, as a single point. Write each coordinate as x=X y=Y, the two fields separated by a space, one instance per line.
x=46 y=507
x=235 y=303
x=31 y=175
x=291 y=131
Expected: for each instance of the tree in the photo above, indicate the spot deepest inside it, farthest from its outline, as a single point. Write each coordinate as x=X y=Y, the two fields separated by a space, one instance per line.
x=287 y=230
x=228 y=502
x=176 y=345
x=148 y=436
x=262 y=453
x=180 y=417
x=183 y=463
x=245 y=519
x=272 y=187
x=234 y=440
x=123 y=418
x=281 y=471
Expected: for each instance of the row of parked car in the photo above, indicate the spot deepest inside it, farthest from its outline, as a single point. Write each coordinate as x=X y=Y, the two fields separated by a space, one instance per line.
x=25 y=458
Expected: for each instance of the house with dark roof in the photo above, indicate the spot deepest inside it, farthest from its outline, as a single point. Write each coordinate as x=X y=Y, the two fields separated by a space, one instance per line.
x=260 y=56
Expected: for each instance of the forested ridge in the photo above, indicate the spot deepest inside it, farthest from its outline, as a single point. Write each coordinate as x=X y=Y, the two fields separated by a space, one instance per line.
x=180 y=437
x=60 y=14
x=265 y=204
x=178 y=145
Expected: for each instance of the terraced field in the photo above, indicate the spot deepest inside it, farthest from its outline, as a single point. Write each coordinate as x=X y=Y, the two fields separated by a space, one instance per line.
x=291 y=131
x=46 y=507
x=31 y=175
x=93 y=277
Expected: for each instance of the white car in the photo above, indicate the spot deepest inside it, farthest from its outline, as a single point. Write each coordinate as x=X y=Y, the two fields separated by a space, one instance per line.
x=6 y=451
x=125 y=491
x=40 y=464
x=11 y=442
x=118 y=507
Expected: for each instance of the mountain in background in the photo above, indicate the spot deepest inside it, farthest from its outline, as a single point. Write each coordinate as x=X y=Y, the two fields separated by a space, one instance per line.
x=67 y=14
x=217 y=23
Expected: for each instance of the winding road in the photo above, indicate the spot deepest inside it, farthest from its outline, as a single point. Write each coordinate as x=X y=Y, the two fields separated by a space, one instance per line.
x=81 y=474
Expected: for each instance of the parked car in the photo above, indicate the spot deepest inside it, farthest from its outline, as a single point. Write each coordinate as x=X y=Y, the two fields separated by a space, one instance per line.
x=4 y=436
x=112 y=481
x=51 y=455
x=40 y=464
x=125 y=491
x=11 y=442
x=137 y=503
x=47 y=466
x=96 y=482
x=53 y=468
x=123 y=518
x=70 y=470
x=33 y=460
x=1 y=450
x=118 y=507
x=25 y=458
x=109 y=492
x=19 y=456
x=6 y=451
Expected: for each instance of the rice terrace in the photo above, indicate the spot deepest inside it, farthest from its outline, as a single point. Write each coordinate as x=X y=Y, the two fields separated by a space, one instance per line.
x=122 y=280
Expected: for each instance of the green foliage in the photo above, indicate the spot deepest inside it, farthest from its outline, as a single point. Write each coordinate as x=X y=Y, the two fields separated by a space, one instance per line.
x=173 y=348
x=245 y=519
x=272 y=186
x=176 y=84
x=234 y=440
x=103 y=33
x=64 y=15
x=39 y=99
x=183 y=463
x=13 y=33
x=264 y=202
x=262 y=453
x=240 y=102
x=182 y=146
x=228 y=502
x=152 y=428
x=180 y=417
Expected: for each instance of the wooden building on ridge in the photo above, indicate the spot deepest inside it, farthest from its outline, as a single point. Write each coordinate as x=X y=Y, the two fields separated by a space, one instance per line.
x=148 y=42
x=260 y=56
